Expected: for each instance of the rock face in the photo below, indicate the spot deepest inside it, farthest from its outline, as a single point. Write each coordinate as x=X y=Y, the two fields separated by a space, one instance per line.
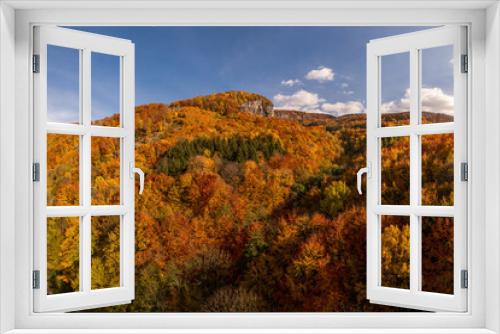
x=258 y=107
x=304 y=117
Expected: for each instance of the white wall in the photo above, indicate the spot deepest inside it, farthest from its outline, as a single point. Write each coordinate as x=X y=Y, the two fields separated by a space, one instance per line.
x=492 y=211
x=7 y=148
x=7 y=176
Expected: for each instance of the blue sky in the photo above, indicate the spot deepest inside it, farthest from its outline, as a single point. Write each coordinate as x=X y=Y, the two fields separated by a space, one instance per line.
x=307 y=68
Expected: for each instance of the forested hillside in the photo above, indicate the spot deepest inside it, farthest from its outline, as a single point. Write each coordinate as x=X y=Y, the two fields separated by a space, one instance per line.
x=247 y=208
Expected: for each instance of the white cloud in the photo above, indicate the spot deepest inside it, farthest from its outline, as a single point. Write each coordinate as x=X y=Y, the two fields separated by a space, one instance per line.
x=394 y=107
x=306 y=101
x=400 y=105
x=343 y=108
x=321 y=74
x=344 y=89
x=433 y=100
x=291 y=82
x=301 y=100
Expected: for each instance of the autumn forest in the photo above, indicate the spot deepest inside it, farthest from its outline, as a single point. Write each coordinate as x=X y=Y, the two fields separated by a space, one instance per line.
x=248 y=208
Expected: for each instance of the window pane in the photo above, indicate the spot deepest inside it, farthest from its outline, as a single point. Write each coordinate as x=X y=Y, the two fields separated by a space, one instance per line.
x=63 y=84
x=395 y=251
x=395 y=170
x=63 y=182
x=63 y=255
x=436 y=93
x=437 y=254
x=395 y=89
x=105 y=171
x=437 y=169
x=105 y=89
x=105 y=252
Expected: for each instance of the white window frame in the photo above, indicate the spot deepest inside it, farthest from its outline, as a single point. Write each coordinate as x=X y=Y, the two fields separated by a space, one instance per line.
x=16 y=21
x=85 y=44
x=413 y=44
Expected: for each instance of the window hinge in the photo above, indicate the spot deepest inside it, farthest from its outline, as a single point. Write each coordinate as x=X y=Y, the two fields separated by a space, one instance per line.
x=36 y=63
x=36 y=172
x=465 y=64
x=464 y=171
x=36 y=279
x=464 y=279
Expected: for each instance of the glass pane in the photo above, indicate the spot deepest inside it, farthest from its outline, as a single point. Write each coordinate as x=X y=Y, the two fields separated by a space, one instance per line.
x=396 y=251
x=63 y=255
x=395 y=89
x=105 y=171
x=105 y=252
x=437 y=254
x=436 y=93
x=437 y=169
x=63 y=84
x=105 y=89
x=63 y=161
x=395 y=170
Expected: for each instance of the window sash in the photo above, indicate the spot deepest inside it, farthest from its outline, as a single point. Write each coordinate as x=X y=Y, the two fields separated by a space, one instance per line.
x=85 y=43
x=414 y=297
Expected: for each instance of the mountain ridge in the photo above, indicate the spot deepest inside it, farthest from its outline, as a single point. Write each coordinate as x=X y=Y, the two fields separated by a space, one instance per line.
x=257 y=104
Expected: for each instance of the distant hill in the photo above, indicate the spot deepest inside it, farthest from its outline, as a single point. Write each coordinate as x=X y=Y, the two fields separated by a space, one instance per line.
x=241 y=101
x=303 y=117
x=402 y=118
x=229 y=102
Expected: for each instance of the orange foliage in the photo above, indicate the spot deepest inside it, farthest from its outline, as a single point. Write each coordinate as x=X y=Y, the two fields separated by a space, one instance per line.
x=280 y=232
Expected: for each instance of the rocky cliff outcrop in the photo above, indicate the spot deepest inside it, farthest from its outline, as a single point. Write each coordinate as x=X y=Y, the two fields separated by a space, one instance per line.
x=258 y=107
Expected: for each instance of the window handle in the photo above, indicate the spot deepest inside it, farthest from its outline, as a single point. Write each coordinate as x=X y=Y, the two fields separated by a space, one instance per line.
x=359 y=176
x=133 y=171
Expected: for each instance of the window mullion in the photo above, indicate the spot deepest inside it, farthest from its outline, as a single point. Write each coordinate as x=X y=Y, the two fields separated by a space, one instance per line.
x=85 y=172
x=415 y=245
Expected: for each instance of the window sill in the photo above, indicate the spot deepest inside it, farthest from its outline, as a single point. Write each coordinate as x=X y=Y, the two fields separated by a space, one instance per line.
x=254 y=331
